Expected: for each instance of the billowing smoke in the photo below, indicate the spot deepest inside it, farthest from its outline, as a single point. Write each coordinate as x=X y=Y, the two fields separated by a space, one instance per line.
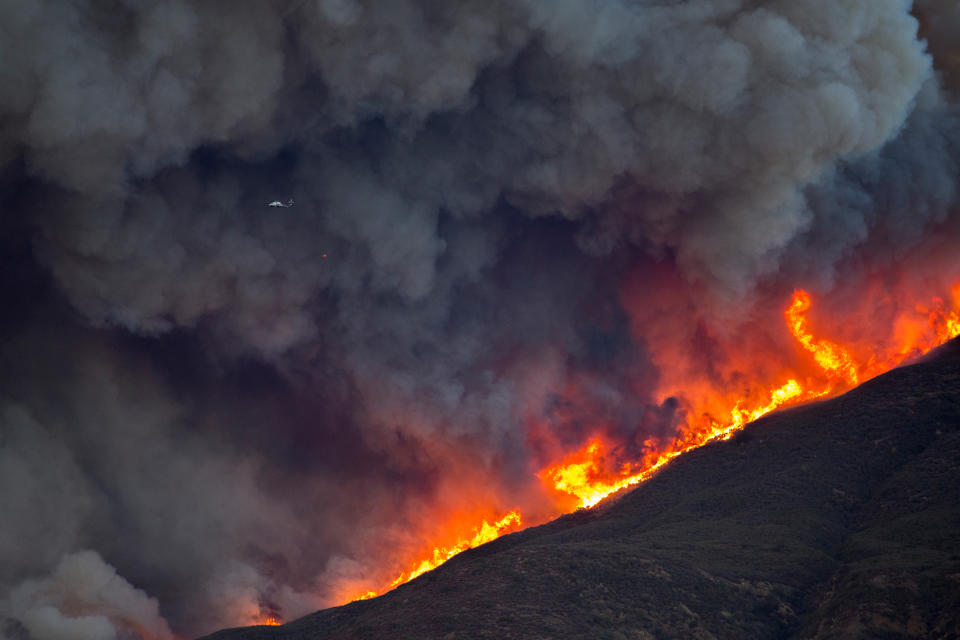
x=513 y=221
x=85 y=598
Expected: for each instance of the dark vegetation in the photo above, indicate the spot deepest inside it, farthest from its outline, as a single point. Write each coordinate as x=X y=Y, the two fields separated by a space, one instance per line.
x=832 y=520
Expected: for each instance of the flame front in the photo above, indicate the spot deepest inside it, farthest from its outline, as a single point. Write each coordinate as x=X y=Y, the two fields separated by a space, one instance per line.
x=594 y=472
x=584 y=474
x=581 y=474
x=483 y=533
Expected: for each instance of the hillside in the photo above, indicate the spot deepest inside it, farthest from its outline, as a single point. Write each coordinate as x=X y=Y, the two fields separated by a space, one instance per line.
x=834 y=519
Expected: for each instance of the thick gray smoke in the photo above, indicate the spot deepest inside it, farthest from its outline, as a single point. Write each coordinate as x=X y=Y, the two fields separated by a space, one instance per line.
x=210 y=408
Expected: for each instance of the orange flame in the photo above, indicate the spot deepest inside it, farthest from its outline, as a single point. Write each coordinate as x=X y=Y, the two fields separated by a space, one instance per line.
x=482 y=534
x=269 y=620
x=586 y=475
x=832 y=358
x=583 y=474
x=580 y=474
x=930 y=326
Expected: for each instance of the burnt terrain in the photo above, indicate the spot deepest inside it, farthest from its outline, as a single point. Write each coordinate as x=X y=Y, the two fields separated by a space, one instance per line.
x=831 y=520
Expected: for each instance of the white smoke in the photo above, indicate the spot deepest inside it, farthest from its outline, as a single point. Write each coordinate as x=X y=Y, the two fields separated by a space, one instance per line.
x=85 y=599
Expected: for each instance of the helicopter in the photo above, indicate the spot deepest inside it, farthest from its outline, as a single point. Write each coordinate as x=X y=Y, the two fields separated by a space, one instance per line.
x=277 y=203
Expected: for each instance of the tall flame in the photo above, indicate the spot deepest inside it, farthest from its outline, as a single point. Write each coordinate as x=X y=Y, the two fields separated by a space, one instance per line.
x=583 y=474
x=832 y=358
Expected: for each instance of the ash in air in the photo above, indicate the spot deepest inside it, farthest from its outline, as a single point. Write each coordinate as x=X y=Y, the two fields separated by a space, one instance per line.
x=535 y=208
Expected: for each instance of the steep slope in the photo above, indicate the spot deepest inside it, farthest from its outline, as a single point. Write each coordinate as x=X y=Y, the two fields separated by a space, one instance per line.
x=834 y=519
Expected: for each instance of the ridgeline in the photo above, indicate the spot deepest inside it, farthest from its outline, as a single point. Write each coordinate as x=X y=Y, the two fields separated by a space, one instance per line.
x=834 y=519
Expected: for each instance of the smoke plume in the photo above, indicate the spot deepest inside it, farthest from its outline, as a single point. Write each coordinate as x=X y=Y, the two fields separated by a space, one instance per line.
x=514 y=221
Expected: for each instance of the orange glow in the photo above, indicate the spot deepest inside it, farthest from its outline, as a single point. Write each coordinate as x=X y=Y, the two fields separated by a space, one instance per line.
x=930 y=325
x=832 y=358
x=269 y=620
x=760 y=375
x=483 y=533
x=584 y=474
x=581 y=473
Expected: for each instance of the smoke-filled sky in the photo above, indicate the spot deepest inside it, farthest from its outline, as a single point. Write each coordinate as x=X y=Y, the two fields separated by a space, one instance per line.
x=514 y=220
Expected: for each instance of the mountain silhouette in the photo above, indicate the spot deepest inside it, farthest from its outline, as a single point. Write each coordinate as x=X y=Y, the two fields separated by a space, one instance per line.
x=835 y=519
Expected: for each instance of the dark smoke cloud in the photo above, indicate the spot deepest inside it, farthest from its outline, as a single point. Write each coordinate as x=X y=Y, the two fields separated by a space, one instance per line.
x=203 y=413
